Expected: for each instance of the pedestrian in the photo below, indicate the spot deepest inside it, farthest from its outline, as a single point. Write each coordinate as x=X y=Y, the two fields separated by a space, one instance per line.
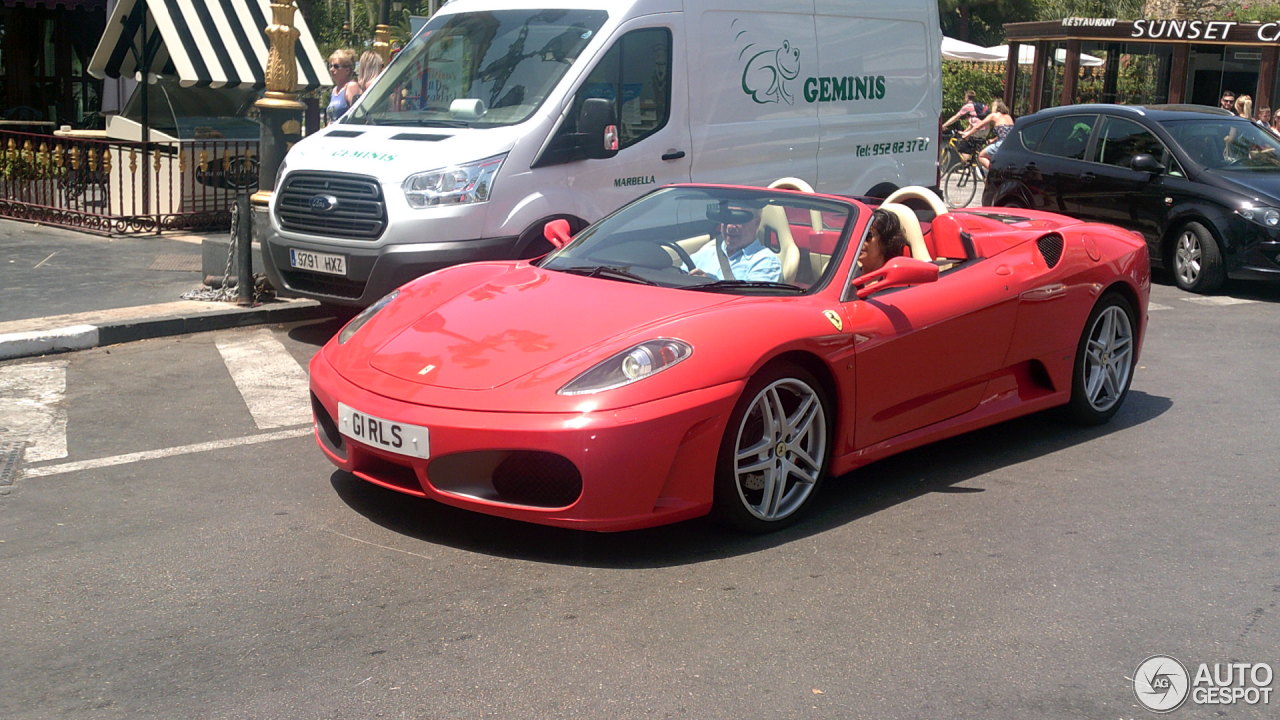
x=1244 y=106
x=342 y=68
x=370 y=67
x=1228 y=101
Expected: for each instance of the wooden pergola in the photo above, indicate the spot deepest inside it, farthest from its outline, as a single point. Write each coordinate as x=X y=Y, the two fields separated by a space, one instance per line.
x=1182 y=35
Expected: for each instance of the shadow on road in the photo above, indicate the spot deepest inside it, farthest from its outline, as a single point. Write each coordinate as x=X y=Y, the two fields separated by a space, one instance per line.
x=942 y=467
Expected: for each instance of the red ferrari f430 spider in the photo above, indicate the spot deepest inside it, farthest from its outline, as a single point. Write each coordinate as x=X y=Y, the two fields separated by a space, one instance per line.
x=714 y=349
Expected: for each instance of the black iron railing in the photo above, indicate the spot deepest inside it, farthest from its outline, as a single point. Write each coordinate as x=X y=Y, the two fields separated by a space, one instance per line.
x=118 y=187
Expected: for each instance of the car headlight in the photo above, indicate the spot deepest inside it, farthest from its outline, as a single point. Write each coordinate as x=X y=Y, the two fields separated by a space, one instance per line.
x=642 y=361
x=1267 y=217
x=365 y=316
x=470 y=183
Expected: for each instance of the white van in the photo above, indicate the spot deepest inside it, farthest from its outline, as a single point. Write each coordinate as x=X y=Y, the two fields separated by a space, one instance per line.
x=501 y=115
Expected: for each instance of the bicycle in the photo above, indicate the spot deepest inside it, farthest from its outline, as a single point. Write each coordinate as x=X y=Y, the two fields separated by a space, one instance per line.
x=963 y=174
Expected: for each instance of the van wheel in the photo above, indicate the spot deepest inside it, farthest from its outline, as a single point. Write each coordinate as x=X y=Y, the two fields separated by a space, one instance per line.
x=1197 y=259
x=774 y=452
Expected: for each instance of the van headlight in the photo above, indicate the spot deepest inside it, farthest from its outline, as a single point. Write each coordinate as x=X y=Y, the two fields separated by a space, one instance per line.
x=1267 y=217
x=637 y=363
x=456 y=185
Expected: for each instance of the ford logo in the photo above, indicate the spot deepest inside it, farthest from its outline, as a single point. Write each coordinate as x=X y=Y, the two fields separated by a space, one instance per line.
x=323 y=203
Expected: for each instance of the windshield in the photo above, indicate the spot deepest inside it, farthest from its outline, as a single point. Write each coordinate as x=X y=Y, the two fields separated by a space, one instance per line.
x=1224 y=143
x=714 y=239
x=479 y=69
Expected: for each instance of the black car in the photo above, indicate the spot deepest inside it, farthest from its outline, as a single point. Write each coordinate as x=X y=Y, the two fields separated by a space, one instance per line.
x=1202 y=185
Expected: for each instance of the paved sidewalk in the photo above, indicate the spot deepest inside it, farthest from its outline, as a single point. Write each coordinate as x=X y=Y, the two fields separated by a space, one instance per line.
x=66 y=290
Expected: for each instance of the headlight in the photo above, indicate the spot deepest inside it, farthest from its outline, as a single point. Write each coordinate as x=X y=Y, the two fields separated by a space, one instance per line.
x=643 y=360
x=470 y=183
x=1267 y=217
x=365 y=316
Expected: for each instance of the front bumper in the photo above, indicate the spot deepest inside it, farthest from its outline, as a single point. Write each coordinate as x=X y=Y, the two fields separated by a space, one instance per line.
x=636 y=467
x=373 y=271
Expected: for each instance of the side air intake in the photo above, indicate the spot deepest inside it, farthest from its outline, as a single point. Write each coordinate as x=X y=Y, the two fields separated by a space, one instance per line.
x=1050 y=248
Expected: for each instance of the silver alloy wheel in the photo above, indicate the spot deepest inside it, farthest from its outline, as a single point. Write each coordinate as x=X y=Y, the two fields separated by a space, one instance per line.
x=780 y=449
x=1108 y=358
x=1188 y=256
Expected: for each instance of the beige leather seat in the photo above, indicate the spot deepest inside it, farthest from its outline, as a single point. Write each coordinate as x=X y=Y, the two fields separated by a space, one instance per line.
x=774 y=218
x=910 y=228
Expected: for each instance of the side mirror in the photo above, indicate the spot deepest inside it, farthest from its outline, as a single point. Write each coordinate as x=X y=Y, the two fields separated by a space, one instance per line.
x=898 y=272
x=1146 y=163
x=597 y=129
x=557 y=232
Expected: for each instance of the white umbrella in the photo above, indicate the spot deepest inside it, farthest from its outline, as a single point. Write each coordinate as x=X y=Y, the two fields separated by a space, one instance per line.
x=953 y=49
x=1027 y=52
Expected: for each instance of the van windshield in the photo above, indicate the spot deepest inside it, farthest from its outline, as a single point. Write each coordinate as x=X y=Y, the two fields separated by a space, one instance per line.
x=478 y=69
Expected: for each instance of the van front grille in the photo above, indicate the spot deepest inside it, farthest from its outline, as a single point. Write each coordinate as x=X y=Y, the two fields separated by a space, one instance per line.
x=332 y=205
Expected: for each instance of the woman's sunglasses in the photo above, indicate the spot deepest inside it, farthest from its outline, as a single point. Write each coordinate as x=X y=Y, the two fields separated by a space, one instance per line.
x=335 y=66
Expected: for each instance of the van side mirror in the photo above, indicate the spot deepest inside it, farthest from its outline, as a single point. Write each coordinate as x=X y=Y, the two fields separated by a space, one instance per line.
x=557 y=232
x=597 y=128
x=898 y=272
x=1143 y=162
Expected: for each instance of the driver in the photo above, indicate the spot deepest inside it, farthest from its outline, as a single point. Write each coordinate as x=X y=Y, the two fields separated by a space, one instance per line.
x=735 y=252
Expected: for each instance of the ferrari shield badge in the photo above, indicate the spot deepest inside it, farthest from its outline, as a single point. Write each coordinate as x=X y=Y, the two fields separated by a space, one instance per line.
x=834 y=317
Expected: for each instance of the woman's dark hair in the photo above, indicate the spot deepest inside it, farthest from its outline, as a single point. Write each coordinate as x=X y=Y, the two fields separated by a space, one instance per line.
x=889 y=230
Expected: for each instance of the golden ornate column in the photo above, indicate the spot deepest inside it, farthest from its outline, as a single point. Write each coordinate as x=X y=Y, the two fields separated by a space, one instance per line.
x=382 y=42
x=280 y=109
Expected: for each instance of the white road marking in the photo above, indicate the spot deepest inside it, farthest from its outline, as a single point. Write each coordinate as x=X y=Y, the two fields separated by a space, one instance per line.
x=63 y=468
x=1157 y=306
x=273 y=385
x=31 y=408
x=1217 y=301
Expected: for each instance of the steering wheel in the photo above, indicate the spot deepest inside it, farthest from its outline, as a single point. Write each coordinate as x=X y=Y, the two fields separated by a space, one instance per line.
x=915 y=192
x=681 y=253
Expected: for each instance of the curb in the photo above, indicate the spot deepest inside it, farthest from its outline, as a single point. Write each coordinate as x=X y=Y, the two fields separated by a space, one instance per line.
x=42 y=336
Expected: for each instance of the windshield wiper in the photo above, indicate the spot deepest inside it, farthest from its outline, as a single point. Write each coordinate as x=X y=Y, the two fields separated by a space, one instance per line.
x=748 y=284
x=424 y=122
x=606 y=271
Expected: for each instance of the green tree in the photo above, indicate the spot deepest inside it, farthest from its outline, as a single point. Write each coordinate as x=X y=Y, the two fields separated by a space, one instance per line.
x=982 y=21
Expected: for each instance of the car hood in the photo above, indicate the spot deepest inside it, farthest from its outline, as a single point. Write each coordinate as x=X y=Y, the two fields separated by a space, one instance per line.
x=394 y=152
x=487 y=325
x=1262 y=186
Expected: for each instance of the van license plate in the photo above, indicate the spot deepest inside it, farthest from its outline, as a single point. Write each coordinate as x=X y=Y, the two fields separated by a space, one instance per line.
x=400 y=438
x=318 y=262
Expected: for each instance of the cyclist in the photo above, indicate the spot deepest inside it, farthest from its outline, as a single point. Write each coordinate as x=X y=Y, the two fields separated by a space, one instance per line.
x=998 y=119
x=971 y=109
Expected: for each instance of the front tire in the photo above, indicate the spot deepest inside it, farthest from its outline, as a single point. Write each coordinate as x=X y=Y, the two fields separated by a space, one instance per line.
x=1104 y=361
x=1197 y=260
x=774 y=452
x=959 y=186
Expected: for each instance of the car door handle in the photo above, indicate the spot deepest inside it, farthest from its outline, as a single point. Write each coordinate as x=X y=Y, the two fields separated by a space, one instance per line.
x=673 y=155
x=1088 y=177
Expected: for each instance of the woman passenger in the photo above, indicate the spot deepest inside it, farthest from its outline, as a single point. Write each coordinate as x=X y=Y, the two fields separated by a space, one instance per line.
x=885 y=240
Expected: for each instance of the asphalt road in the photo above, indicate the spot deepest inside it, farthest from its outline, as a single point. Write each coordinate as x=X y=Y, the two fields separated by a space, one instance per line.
x=181 y=557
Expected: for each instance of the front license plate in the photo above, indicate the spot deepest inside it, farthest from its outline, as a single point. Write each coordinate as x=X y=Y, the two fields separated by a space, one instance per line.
x=401 y=438
x=318 y=262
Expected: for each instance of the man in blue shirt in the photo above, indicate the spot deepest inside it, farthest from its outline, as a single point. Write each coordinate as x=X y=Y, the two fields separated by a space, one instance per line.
x=735 y=253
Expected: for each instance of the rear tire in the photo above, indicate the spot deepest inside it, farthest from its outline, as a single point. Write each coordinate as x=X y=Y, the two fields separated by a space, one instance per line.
x=774 y=452
x=1197 y=260
x=1104 y=361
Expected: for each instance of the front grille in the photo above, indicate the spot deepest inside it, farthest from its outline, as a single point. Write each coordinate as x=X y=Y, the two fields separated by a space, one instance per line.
x=1050 y=248
x=358 y=214
x=332 y=286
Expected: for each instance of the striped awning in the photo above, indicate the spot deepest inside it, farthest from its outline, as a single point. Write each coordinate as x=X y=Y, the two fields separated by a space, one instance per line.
x=214 y=43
